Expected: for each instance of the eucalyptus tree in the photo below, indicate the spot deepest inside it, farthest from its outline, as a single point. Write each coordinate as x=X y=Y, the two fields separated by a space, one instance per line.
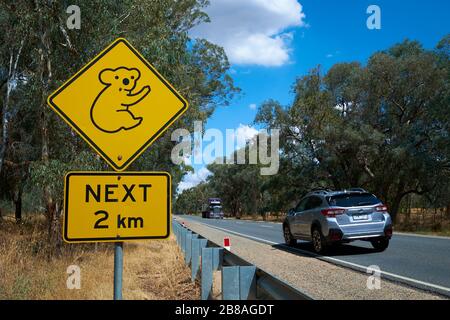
x=383 y=126
x=52 y=53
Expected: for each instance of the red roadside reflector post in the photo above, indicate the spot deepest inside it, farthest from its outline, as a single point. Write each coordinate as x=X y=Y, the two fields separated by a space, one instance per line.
x=227 y=244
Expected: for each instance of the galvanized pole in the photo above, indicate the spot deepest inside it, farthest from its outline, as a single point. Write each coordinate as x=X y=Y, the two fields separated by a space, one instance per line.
x=118 y=268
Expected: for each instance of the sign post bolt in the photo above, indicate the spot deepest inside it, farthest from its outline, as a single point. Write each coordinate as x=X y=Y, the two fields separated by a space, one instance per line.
x=118 y=268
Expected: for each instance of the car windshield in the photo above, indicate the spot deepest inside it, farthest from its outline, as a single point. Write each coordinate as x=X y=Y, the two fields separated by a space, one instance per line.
x=217 y=209
x=353 y=200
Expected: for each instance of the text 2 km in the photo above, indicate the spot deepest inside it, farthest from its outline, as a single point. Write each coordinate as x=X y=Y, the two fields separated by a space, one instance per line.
x=110 y=193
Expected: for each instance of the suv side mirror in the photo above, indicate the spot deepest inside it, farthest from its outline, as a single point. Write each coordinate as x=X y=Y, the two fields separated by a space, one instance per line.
x=291 y=212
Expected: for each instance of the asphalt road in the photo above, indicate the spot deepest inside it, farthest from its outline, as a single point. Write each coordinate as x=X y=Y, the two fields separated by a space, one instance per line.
x=422 y=260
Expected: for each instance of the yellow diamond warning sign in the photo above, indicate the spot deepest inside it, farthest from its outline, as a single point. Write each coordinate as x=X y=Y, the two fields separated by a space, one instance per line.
x=116 y=206
x=118 y=103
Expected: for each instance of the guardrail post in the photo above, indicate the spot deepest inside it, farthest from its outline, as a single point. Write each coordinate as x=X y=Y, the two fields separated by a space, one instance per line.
x=207 y=273
x=195 y=259
x=239 y=283
x=230 y=283
x=187 y=257
x=247 y=283
x=194 y=237
x=180 y=232
x=203 y=243
x=183 y=239
x=197 y=245
x=217 y=258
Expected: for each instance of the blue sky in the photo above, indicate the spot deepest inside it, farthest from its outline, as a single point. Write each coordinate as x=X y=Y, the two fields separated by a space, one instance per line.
x=272 y=42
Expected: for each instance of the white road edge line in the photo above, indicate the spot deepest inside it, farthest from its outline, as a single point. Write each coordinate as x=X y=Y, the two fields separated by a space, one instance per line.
x=334 y=259
x=421 y=235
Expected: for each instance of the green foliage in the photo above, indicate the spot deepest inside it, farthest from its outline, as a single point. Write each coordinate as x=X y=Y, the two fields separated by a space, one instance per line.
x=43 y=175
x=41 y=145
x=381 y=127
x=190 y=201
x=237 y=186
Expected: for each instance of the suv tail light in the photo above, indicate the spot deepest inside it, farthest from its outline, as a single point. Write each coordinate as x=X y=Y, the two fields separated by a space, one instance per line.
x=381 y=208
x=334 y=235
x=332 y=212
x=388 y=231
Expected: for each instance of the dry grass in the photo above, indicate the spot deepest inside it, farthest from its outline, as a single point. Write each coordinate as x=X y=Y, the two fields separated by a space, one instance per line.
x=152 y=269
x=156 y=270
x=424 y=221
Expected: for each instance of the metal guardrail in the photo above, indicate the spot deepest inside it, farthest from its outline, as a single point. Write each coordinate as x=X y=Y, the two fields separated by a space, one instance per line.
x=240 y=279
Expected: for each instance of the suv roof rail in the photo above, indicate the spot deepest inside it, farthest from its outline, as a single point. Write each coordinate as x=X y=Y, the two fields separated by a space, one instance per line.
x=356 y=189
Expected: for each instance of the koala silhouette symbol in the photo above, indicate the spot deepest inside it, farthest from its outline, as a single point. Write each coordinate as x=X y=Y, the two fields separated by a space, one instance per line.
x=110 y=111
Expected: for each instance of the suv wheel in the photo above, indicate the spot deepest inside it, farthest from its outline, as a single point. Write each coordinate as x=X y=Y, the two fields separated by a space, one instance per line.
x=288 y=238
x=318 y=240
x=380 y=244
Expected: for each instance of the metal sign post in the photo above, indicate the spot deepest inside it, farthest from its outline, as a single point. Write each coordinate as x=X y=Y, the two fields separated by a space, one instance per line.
x=118 y=269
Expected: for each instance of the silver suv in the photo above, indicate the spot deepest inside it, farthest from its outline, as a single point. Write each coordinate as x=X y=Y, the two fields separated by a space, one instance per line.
x=327 y=217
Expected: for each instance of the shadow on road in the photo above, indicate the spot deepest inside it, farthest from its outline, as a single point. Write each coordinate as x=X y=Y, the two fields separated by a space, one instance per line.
x=336 y=250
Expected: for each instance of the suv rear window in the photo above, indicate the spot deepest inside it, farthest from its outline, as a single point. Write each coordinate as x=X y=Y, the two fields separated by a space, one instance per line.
x=353 y=200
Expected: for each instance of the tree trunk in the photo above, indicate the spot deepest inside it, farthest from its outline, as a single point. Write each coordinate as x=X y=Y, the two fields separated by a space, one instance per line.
x=11 y=83
x=18 y=205
x=55 y=228
x=393 y=210
x=5 y=135
x=5 y=119
x=53 y=210
x=408 y=211
x=395 y=204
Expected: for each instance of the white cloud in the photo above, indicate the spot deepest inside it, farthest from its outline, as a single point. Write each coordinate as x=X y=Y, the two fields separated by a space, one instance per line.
x=244 y=133
x=191 y=179
x=333 y=54
x=253 y=32
x=252 y=106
